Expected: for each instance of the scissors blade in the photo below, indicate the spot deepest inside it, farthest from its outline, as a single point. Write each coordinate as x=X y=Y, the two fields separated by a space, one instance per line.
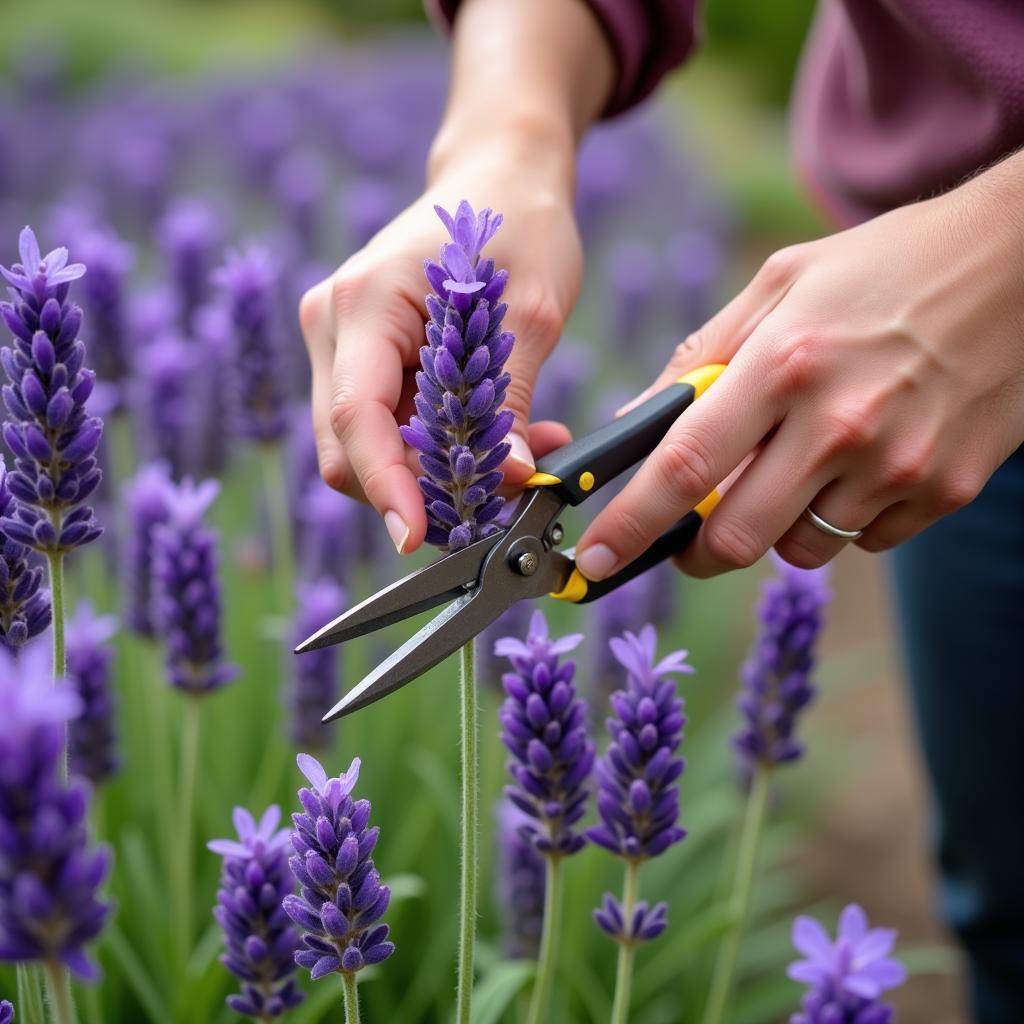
x=462 y=620
x=426 y=588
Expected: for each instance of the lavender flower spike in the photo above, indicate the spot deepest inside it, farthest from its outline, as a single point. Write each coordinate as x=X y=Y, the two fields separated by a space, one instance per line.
x=315 y=683
x=847 y=977
x=249 y=278
x=188 y=591
x=776 y=676
x=92 y=736
x=259 y=940
x=49 y=874
x=53 y=440
x=460 y=428
x=6 y=1011
x=340 y=898
x=638 y=800
x=24 y=605
x=544 y=728
x=146 y=497
x=519 y=884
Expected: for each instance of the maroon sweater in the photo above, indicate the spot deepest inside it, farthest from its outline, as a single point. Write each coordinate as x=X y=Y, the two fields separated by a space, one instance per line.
x=895 y=99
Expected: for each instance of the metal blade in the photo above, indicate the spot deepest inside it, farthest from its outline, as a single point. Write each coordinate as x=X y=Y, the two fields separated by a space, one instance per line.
x=445 y=633
x=426 y=588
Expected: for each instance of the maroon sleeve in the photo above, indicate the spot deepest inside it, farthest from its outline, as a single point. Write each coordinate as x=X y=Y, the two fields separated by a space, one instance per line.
x=647 y=37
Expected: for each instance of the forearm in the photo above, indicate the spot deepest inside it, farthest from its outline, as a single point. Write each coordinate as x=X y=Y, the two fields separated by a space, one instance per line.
x=528 y=77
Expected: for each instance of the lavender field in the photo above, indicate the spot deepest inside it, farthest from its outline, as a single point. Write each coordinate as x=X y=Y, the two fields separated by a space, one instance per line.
x=168 y=539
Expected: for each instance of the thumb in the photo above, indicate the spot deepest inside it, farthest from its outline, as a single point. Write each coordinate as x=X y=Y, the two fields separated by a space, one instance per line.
x=720 y=338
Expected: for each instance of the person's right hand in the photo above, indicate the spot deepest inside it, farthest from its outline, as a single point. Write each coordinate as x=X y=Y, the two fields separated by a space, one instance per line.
x=364 y=326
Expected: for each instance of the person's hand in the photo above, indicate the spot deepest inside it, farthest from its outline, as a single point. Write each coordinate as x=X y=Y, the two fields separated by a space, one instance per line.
x=364 y=327
x=876 y=375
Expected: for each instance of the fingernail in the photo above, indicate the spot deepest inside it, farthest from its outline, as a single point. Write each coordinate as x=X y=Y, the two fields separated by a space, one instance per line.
x=596 y=562
x=521 y=452
x=639 y=400
x=397 y=530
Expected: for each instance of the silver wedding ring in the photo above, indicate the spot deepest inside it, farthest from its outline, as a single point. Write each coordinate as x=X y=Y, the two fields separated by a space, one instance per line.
x=833 y=531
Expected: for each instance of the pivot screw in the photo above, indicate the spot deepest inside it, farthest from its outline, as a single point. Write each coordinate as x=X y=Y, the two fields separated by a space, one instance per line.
x=557 y=534
x=527 y=563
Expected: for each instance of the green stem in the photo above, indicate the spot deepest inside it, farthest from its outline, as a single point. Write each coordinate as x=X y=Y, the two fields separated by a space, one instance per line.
x=57 y=601
x=183 y=862
x=348 y=982
x=153 y=692
x=58 y=991
x=548 y=958
x=276 y=495
x=627 y=950
x=30 y=1000
x=742 y=890
x=470 y=817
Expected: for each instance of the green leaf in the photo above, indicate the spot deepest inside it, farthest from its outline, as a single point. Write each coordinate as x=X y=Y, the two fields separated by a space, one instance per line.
x=135 y=974
x=406 y=886
x=498 y=988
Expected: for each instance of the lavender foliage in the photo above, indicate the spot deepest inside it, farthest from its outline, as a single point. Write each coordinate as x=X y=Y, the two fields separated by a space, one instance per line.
x=188 y=592
x=259 y=939
x=48 y=431
x=776 y=676
x=92 y=735
x=315 y=681
x=341 y=898
x=147 y=505
x=544 y=729
x=50 y=908
x=520 y=883
x=249 y=281
x=460 y=428
x=24 y=603
x=846 y=977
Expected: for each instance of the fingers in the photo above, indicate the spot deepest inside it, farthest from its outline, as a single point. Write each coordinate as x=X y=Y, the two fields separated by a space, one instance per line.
x=720 y=338
x=547 y=435
x=375 y=336
x=702 y=448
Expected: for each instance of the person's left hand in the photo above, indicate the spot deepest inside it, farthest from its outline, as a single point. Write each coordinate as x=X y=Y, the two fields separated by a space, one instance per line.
x=877 y=375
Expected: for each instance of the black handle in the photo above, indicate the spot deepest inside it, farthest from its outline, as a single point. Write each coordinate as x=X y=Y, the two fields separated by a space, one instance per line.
x=671 y=542
x=587 y=464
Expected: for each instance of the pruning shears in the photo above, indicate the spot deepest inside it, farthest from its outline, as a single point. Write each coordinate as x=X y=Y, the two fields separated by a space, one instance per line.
x=523 y=560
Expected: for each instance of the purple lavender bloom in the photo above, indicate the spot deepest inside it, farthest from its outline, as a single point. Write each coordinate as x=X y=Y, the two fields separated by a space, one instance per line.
x=147 y=503
x=544 y=729
x=460 y=428
x=92 y=736
x=52 y=438
x=103 y=295
x=340 y=898
x=367 y=204
x=24 y=604
x=637 y=800
x=633 y=276
x=163 y=400
x=6 y=1011
x=847 y=977
x=299 y=184
x=188 y=599
x=49 y=875
x=315 y=681
x=647 y=922
x=249 y=277
x=695 y=259
x=188 y=235
x=259 y=940
x=520 y=882
x=328 y=534
x=513 y=621
x=776 y=675
x=211 y=415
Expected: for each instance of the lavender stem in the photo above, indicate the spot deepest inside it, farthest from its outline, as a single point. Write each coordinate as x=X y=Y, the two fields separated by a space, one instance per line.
x=183 y=862
x=348 y=981
x=58 y=988
x=470 y=827
x=282 y=561
x=30 y=1001
x=547 y=958
x=740 y=897
x=627 y=950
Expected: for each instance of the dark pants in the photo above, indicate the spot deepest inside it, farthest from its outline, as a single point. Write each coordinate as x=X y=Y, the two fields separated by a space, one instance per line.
x=960 y=589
